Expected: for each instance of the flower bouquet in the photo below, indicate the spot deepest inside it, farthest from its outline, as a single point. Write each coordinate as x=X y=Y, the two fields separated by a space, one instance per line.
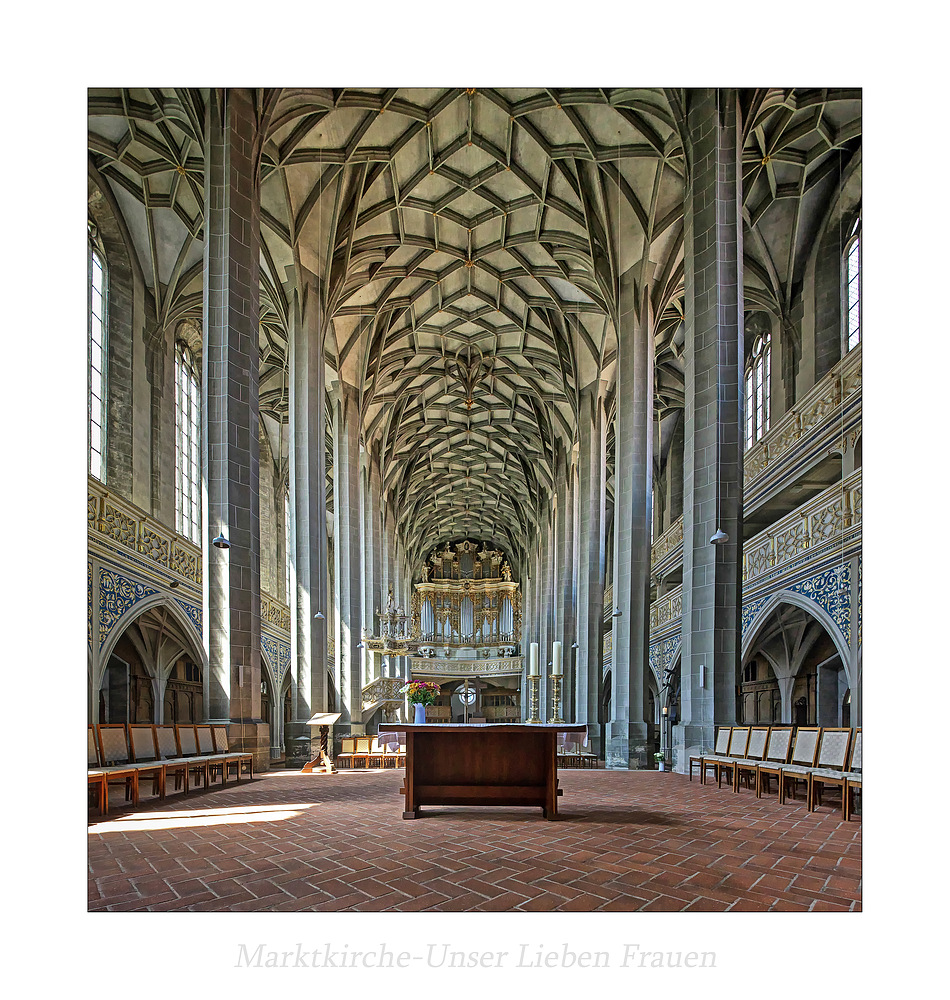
x=421 y=692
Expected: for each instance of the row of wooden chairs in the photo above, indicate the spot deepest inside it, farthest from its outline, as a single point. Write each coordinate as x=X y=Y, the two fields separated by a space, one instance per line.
x=811 y=755
x=125 y=754
x=362 y=752
x=574 y=755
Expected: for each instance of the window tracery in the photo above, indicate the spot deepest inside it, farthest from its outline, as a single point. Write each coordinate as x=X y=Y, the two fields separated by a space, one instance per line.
x=97 y=363
x=852 y=260
x=187 y=444
x=757 y=390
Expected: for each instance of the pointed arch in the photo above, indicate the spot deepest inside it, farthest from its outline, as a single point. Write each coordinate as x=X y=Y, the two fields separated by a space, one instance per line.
x=192 y=644
x=750 y=634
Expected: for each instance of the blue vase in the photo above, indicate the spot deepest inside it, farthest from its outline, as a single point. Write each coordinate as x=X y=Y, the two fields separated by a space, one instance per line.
x=420 y=714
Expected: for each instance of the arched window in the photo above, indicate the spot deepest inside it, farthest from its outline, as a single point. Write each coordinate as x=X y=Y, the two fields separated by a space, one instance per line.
x=757 y=382
x=97 y=369
x=187 y=444
x=852 y=260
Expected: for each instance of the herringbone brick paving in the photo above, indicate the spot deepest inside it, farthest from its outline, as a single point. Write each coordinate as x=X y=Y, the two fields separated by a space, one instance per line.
x=624 y=840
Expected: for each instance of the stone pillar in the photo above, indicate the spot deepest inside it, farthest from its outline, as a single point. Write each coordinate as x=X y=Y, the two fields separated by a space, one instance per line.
x=631 y=721
x=712 y=474
x=370 y=602
x=827 y=694
x=674 y=464
x=546 y=607
x=308 y=508
x=373 y=539
x=230 y=371
x=388 y=571
x=592 y=464
x=346 y=516
x=565 y=565
x=527 y=632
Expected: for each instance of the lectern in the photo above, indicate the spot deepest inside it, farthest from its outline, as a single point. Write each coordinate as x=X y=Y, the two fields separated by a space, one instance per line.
x=323 y=759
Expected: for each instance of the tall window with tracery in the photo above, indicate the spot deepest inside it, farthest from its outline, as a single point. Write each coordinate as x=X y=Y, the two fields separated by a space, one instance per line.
x=97 y=343
x=853 y=270
x=757 y=382
x=187 y=444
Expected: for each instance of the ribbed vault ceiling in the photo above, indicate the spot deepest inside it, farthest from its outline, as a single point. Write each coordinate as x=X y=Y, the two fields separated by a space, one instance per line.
x=468 y=245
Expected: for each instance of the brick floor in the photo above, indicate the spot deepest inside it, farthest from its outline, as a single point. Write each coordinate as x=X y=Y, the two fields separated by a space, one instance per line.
x=624 y=840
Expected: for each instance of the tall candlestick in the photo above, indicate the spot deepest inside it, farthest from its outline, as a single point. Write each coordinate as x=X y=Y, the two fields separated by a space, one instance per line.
x=533 y=660
x=557 y=665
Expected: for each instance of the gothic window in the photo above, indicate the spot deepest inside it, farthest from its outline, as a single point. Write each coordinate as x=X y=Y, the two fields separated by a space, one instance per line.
x=187 y=444
x=757 y=382
x=97 y=344
x=852 y=258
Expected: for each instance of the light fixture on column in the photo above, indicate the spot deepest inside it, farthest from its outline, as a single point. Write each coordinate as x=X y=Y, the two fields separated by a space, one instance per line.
x=719 y=538
x=360 y=645
x=575 y=645
x=221 y=542
x=319 y=616
x=617 y=613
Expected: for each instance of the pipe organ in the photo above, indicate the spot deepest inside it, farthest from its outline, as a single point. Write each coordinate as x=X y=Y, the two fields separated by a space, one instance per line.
x=467 y=605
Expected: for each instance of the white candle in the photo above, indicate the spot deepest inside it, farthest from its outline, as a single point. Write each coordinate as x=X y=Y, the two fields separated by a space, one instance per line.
x=557 y=665
x=533 y=660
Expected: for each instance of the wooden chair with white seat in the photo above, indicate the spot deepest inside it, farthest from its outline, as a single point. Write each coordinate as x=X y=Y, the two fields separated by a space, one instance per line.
x=720 y=747
x=821 y=777
x=188 y=748
x=833 y=745
x=116 y=760
x=754 y=755
x=236 y=758
x=776 y=756
x=176 y=764
x=738 y=747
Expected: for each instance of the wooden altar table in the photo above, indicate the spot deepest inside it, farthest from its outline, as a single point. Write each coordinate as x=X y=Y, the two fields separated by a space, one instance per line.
x=455 y=764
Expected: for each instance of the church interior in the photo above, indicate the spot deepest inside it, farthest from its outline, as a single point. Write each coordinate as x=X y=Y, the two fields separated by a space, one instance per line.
x=550 y=398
